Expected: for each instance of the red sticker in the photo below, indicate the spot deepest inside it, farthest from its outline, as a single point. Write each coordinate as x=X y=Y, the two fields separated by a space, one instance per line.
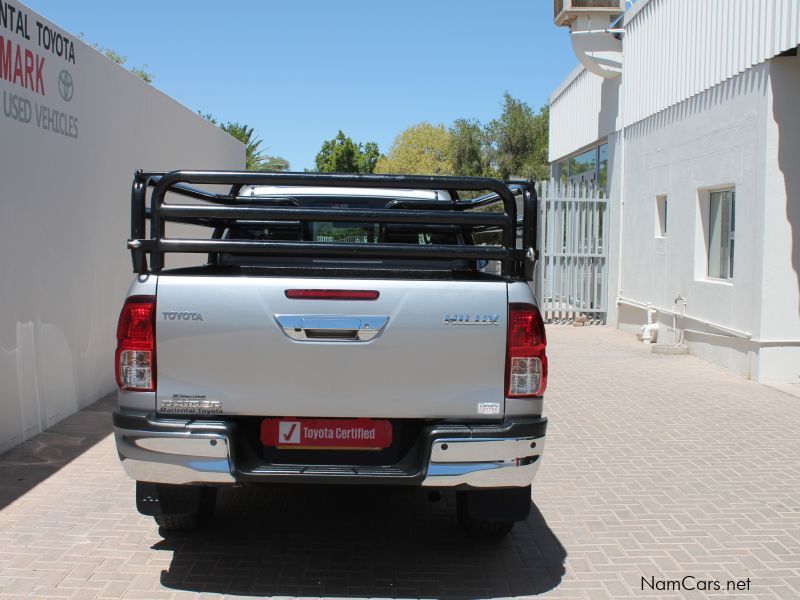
x=364 y=434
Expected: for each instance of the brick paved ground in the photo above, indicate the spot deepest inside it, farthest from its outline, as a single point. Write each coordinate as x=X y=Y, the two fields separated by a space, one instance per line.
x=655 y=466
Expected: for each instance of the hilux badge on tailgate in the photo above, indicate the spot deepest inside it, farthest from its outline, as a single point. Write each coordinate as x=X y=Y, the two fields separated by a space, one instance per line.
x=467 y=319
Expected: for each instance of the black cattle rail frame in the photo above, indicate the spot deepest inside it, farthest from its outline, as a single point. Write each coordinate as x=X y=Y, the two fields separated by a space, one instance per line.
x=222 y=210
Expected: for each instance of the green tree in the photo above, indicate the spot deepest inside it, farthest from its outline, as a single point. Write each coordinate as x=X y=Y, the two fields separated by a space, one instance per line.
x=342 y=155
x=208 y=117
x=274 y=163
x=112 y=54
x=140 y=72
x=422 y=149
x=467 y=151
x=517 y=140
x=255 y=158
x=369 y=158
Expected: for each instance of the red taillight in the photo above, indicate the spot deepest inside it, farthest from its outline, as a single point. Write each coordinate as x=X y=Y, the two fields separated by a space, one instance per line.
x=526 y=361
x=135 y=358
x=333 y=294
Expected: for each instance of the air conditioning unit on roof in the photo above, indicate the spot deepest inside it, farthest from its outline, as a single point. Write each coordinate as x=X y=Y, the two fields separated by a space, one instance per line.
x=565 y=11
x=597 y=46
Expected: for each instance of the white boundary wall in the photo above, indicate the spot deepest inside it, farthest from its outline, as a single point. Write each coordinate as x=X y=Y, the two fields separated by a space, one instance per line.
x=65 y=212
x=742 y=134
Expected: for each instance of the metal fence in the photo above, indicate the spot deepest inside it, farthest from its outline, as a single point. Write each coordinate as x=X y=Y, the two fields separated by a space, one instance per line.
x=572 y=277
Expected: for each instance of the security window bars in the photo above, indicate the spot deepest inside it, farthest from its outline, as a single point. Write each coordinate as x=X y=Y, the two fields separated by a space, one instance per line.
x=721 y=233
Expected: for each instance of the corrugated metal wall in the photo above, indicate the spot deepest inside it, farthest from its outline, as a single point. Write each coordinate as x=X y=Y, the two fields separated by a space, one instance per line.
x=674 y=49
x=577 y=115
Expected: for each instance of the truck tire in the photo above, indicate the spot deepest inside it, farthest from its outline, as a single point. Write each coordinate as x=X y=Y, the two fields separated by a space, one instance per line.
x=481 y=528
x=187 y=508
x=177 y=522
x=492 y=513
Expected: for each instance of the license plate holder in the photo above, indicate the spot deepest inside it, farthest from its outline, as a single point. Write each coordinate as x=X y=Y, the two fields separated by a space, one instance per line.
x=288 y=433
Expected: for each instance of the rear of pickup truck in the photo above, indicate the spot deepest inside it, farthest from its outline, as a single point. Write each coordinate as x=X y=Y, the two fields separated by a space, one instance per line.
x=324 y=351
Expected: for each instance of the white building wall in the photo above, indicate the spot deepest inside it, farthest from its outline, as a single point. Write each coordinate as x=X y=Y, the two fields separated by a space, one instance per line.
x=65 y=218
x=674 y=49
x=582 y=110
x=779 y=330
x=704 y=102
x=718 y=138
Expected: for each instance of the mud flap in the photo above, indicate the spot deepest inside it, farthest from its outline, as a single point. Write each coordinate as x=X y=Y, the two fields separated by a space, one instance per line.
x=155 y=499
x=510 y=504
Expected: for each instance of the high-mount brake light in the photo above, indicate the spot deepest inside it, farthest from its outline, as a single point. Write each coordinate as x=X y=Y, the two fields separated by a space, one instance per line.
x=333 y=294
x=526 y=360
x=135 y=358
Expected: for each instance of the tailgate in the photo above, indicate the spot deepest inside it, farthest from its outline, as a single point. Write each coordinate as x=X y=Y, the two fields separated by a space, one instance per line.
x=240 y=346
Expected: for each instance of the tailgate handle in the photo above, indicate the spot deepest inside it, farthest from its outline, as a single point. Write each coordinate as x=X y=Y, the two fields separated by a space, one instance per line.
x=332 y=328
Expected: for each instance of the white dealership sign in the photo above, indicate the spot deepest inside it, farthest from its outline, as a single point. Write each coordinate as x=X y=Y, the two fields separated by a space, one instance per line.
x=33 y=52
x=73 y=127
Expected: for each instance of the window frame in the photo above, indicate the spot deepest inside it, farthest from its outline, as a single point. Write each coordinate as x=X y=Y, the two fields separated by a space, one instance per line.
x=661 y=216
x=564 y=169
x=726 y=253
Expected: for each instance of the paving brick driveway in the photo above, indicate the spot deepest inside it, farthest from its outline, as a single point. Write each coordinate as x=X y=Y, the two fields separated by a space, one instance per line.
x=655 y=467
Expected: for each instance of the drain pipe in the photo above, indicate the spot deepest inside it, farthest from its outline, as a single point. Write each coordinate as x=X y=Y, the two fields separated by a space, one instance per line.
x=679 y=299
x=622 y=149
x=597 y=49
x=729 y=331
x=650 y=330
x=724 y=331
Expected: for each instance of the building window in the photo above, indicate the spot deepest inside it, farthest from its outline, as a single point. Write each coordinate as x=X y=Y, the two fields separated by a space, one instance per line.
x=590 y=166
x=602 y=171
x=661 y=216
x=721 y=233
x=584 y=166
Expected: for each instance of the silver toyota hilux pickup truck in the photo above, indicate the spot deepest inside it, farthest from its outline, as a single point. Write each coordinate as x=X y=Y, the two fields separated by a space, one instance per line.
x=343 y=329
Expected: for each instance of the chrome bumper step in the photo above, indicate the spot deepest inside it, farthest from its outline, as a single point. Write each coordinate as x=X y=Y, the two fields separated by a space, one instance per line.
x=203 y=452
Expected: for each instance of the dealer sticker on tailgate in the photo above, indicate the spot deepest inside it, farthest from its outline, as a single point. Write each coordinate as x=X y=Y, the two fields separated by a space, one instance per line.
x=318 y=434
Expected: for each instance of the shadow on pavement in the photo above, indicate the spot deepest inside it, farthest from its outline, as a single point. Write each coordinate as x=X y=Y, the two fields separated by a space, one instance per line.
x=25 y=466
x=356 y=542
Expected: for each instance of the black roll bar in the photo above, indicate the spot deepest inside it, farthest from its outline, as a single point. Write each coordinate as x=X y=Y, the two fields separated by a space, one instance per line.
x=230 y=208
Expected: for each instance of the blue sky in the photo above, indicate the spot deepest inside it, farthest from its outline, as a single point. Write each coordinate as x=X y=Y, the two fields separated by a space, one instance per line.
x=300 y=70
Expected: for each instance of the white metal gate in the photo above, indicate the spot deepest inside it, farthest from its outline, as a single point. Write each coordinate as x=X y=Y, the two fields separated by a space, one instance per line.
x=572 y=277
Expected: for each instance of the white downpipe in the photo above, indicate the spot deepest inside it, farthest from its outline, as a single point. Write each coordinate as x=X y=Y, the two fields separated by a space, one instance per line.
x=591 y=31
x=650 y=329
x=599 y=50
x=680 y=299
x=621 y=220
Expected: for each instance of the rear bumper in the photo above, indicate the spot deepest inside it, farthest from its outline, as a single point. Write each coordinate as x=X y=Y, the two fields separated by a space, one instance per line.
x=174 y=451
x=177 y=451
x=484 y=462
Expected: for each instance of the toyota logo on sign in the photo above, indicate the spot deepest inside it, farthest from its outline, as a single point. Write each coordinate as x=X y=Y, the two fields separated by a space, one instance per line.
x=65 y=86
